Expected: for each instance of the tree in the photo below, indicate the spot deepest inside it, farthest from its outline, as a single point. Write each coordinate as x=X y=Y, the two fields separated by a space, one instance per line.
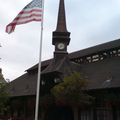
x=1 y=76
x=72 y=92
x=3 y=94
x=3 y=98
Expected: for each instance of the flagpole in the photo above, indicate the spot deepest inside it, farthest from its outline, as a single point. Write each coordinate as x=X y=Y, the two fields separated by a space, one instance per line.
x=39 y=67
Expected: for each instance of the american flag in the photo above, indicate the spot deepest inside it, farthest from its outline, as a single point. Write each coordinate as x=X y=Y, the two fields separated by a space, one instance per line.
x=31 y=12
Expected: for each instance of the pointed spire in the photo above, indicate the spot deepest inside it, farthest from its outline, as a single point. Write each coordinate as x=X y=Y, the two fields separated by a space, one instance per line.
x=61 y=22
x=61 y=34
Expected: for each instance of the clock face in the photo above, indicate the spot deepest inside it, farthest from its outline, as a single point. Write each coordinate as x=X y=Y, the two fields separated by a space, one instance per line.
x=61 y=46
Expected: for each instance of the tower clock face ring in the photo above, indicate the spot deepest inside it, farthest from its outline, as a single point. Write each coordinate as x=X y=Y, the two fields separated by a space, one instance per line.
x=61 y=46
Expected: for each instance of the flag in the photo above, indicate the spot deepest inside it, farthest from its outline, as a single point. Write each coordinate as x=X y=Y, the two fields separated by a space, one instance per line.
x=31 y=12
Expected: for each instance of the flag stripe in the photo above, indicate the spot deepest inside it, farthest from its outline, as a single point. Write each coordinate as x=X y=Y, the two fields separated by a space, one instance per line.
x=25 y=18
x=26 y=21
x=28 y=15
x=31 y=12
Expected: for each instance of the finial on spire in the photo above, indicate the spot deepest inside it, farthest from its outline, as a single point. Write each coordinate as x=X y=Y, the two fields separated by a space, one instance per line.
x=61 y=22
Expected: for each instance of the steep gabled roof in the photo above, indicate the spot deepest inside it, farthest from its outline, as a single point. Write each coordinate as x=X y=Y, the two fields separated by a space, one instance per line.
x=43 y=65
x=101 y=74
x=23 y=85
x=85 y=52
x=64 y=66
x=96 y=49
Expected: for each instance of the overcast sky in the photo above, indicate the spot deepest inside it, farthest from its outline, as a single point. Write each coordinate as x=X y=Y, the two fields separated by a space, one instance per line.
x=91 y=22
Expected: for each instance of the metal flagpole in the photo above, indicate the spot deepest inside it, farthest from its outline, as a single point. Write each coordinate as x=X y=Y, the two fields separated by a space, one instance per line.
x=39 y=67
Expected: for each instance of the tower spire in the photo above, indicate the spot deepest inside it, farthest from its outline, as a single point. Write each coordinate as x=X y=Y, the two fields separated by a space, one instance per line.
x=61 y=37
x=61 y=22
x=61 y=34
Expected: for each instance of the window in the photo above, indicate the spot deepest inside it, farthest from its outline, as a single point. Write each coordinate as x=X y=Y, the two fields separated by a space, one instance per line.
x=43 y=82
x=85 y=115
x=57 y=80
x=118 y=114
x=103 y=114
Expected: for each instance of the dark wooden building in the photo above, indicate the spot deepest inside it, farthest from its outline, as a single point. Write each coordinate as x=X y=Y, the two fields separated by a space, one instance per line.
x=101 y=64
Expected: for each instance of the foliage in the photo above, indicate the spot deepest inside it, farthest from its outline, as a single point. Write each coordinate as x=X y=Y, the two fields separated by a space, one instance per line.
x=3 y=98
x=1 y=76
x=72 y=91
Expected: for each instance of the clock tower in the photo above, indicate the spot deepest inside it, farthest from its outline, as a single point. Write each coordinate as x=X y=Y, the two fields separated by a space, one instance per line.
x=60 y=66
x=61 y=37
